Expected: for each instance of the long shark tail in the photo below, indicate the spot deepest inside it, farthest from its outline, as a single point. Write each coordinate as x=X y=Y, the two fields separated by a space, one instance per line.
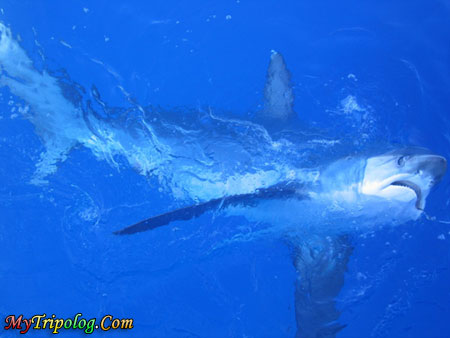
x=321 y=266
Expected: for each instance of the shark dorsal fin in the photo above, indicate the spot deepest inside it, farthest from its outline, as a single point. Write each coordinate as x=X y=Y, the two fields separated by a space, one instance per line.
x=278 y=93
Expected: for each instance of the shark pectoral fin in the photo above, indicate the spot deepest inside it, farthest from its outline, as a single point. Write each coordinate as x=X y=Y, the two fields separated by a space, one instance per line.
x=182 y=214
x=321 y=265
x=281 y=190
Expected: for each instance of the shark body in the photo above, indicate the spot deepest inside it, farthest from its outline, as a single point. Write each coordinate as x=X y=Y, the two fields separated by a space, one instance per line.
x=390 y=187
x=398 y=182
x=372 y=189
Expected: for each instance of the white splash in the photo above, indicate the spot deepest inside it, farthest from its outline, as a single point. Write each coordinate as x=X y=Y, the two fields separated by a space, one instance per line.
x=65 y=44
x=189 y=166
x=55 y=118
x=350 y=105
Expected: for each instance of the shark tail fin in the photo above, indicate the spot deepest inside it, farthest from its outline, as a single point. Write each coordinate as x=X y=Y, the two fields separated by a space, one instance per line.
x=278 y=93
x=321 y=265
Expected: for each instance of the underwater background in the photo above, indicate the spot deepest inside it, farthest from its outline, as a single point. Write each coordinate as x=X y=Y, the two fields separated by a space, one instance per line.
x=127 y=109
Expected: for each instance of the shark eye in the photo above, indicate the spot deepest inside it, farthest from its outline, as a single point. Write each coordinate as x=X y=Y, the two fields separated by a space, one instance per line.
x=401 y=161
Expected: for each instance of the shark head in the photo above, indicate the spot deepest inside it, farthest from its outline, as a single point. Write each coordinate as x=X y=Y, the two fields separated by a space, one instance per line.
x=403 y=175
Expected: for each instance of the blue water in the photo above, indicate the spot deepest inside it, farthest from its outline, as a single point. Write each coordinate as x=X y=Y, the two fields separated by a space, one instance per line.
x=365 y=76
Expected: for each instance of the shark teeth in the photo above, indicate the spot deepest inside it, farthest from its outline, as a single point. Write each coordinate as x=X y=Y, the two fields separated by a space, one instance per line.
x=414 y=187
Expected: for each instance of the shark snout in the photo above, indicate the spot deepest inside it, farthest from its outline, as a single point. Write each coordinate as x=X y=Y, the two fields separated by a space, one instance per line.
x=435 y=166
x=404 y=174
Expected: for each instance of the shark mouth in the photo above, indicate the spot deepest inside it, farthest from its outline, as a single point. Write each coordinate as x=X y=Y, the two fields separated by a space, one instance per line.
x=414 y=187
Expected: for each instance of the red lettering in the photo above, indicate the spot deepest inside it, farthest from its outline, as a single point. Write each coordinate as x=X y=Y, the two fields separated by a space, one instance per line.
x=13 y=322
x=28 y=325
